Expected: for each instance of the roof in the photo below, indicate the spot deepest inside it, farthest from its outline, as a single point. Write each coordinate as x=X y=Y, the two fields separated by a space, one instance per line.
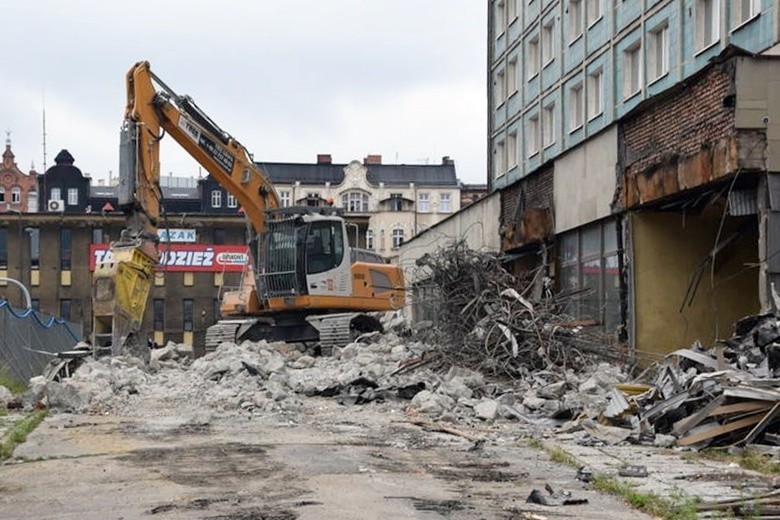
x=390 y=174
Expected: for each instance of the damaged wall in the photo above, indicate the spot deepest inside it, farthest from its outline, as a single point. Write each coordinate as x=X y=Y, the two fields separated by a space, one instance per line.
x=669 y=249
x=477 y=224
x=526 y=210
x=680 y=140
x=584 y=184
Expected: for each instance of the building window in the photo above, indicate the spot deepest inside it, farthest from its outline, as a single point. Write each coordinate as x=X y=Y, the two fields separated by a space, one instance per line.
x=445 y=203
x=575 y=19
x=500 y=158
x=511 y=11
x=158 y=307
x=548 y=125
x=532 y=136
x=396 y=202
x=632 y=70
x=499 y=84
x=2 y=194
x=355 y=202
x=422 y=203
x=216 y=198
x=590 y=266
x=499 y=13
x=32 y=201
x=511 y=150
x=370 y=239
x=16 y=195
x=576 y=109
x=744 y=10
x=595 y=94
x=511 y=77
x=548 y=43
x=97 y=236
x=658 y=55
x=218 y=236
x=398 y=237
x=56 y=194
x=4 y=248
x=284 y=198
x=65 y=310
x=593 y=11
x=532 y=57
x=187 y=314
x=65 y=249
x=313 y=199
x=231 y=201
x=35 y=247
x=707 y=23
x=73 y=196
x=188 y=280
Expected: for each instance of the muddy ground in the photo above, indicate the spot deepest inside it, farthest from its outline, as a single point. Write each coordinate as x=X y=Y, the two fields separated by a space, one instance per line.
x=175 y=460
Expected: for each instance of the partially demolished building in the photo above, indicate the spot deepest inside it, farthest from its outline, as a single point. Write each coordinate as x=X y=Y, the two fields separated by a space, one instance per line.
x=635 y=150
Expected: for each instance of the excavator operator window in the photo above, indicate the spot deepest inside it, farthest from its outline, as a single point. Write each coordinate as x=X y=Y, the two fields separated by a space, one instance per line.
x=324 y=247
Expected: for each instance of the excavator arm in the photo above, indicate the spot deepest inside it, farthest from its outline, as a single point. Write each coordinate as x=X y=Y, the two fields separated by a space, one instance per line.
x=121 y=286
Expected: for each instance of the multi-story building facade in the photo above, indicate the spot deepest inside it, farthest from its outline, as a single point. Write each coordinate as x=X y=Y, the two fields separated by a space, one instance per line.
x=53 y=248
x=627 y=139
x=384 y=204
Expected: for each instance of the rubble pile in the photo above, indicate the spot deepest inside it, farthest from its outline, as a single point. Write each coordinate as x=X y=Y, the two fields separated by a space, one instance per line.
x=485 y=323
x=725 y=395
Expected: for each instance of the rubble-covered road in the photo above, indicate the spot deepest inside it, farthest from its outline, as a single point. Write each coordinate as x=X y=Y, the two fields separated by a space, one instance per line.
x=258 y=431
x=329 y=461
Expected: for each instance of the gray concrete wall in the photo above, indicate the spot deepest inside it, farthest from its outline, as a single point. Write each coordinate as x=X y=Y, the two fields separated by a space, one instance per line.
x=477 y=224
x=584 y=183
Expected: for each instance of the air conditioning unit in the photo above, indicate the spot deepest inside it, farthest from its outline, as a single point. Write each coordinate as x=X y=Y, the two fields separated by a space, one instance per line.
x=56 y=205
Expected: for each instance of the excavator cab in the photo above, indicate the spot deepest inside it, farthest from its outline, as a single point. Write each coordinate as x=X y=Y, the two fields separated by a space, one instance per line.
x=301 y=252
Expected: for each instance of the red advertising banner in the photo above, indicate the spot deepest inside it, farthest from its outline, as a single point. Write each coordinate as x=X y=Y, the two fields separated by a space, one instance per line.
x=186 y=257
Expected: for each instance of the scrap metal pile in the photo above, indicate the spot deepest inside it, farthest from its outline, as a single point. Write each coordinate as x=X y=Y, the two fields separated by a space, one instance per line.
x=485 y=319
x=725 y=395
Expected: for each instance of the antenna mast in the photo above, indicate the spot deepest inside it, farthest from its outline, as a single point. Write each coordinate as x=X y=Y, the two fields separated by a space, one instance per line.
x=44 y=132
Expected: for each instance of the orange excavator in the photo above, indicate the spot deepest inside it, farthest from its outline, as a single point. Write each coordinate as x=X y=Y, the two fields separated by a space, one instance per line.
x=303 y=282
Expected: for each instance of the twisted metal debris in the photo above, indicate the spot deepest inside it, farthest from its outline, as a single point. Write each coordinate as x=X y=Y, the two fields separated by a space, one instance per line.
x=486 y=320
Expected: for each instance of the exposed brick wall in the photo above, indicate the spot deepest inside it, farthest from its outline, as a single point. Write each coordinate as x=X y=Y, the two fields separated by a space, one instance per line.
x=676 y=127
x=526 y=209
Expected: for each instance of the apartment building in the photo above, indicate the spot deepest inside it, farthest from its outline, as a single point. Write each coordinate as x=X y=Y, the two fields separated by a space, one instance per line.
x=632 y=144
x=384 y=204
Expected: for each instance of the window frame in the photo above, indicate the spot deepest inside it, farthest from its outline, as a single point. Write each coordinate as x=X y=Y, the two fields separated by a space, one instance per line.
x=216 y=198
x=445 y=203
x=397 y=238
x=548 y=126
x=16 y=195
x=532 y=136
x=533 y=57
x=575 y=19
x=548 y=43
x=658 y=39
x=590 y=19
x=576 y=106
x=73 y=197
x=423 y=202
x=702 y=44
x=737 y=10
x=632 y=62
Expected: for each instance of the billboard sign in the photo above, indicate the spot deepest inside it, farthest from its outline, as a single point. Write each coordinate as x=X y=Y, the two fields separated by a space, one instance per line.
x=177 y=235
x=186 y=257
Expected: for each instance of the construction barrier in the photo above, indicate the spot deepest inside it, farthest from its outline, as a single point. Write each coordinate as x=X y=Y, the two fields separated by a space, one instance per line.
x=29 y=339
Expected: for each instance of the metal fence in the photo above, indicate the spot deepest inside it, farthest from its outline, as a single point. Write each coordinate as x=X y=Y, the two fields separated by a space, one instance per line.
x=26 y=336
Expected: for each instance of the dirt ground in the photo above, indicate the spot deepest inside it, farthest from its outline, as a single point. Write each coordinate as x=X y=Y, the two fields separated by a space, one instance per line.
x=172 y=460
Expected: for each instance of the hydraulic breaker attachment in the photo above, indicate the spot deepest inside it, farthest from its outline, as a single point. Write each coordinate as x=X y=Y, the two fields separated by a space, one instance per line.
x=120 y=292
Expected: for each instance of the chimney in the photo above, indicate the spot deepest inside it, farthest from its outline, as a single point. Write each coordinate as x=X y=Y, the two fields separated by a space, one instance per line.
x=324 y=158
x=446 y=161
x=372 y=159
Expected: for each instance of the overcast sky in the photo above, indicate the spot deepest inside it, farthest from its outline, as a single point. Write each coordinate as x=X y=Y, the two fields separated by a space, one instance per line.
x=400 y=78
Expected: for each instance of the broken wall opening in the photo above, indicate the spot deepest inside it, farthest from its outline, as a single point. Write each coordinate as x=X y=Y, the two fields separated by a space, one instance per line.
x=684 y=292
